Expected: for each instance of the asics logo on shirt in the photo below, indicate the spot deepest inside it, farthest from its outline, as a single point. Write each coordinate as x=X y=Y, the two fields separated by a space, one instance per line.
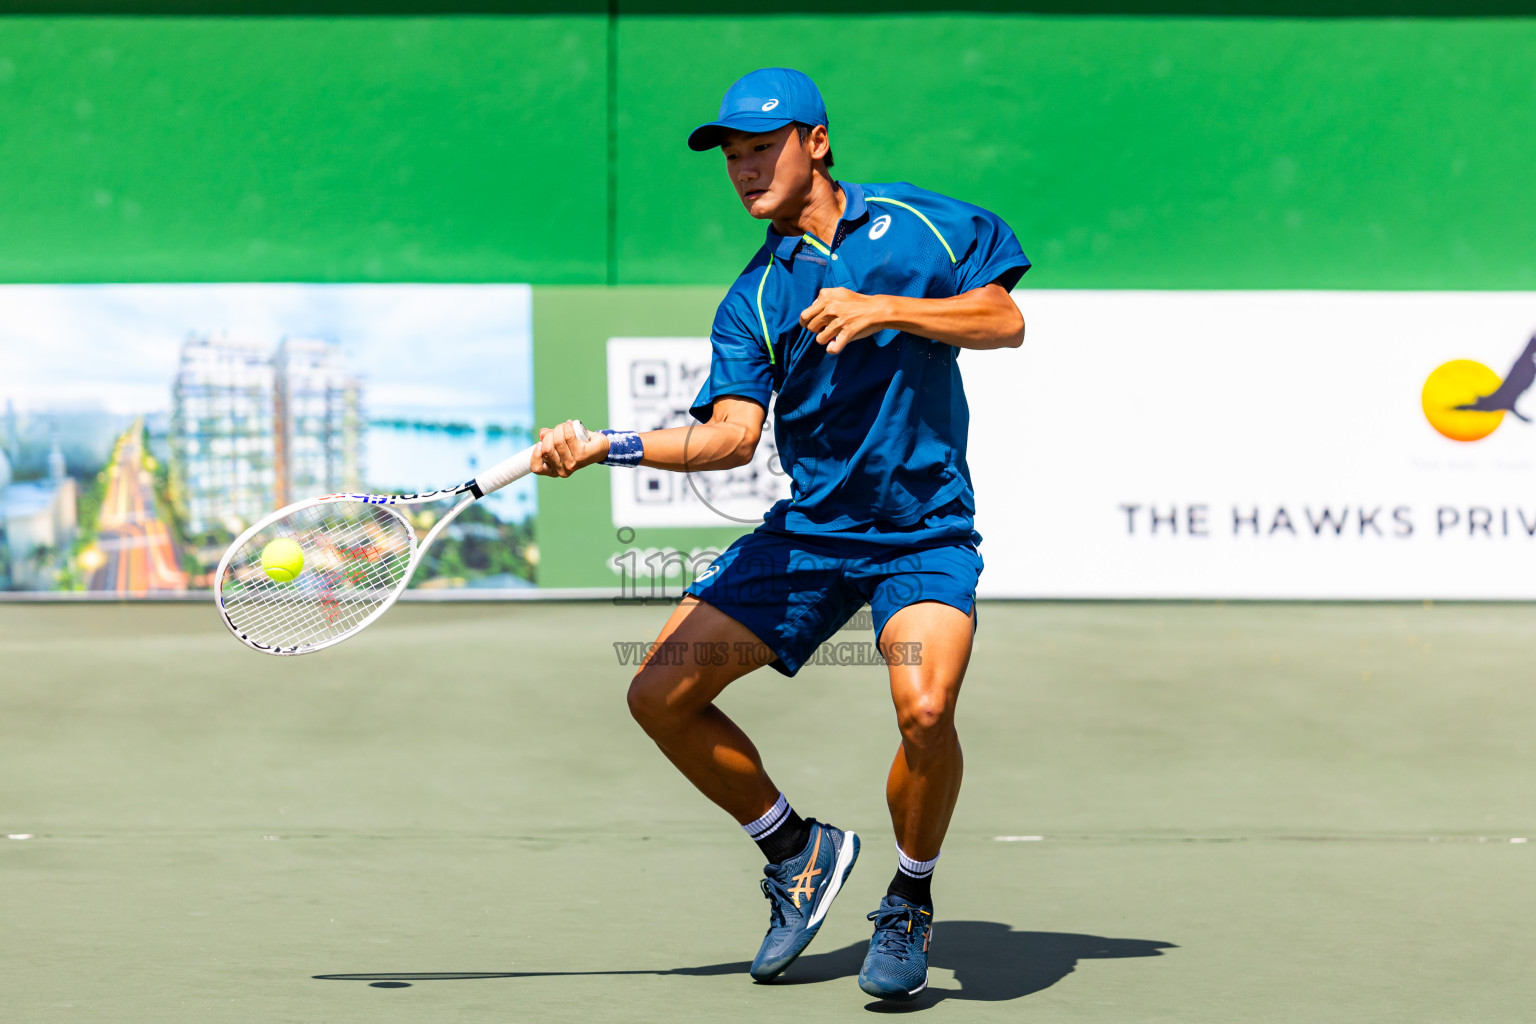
x=879 y=226
x=707 y=573
x=770 y=104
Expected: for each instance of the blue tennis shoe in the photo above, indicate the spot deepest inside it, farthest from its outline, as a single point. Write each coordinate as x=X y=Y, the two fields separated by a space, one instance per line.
x=800 y=891
x=896 y=966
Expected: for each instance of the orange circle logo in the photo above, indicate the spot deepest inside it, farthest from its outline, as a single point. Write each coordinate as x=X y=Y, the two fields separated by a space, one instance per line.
x=1449 y=397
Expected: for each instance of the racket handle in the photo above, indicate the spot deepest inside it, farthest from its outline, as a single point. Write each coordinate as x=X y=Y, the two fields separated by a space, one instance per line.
x=515 y=468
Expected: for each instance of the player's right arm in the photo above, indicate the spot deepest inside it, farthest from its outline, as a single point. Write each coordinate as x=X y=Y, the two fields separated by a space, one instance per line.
x=726 y=440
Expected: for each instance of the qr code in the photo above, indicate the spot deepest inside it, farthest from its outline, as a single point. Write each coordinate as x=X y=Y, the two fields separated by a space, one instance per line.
x=652 y=382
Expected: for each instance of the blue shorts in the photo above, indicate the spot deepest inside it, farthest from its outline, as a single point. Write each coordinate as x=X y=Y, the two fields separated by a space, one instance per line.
x=793 y=591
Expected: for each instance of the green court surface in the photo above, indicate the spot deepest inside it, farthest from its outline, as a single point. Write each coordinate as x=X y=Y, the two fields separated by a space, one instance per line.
x=1244 y=813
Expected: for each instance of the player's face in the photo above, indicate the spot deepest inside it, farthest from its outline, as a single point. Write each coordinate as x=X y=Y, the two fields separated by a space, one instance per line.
x=771 y=172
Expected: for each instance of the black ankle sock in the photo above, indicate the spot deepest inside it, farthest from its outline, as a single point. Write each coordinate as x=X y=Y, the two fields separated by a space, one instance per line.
x=916 y=891
x=786 y=840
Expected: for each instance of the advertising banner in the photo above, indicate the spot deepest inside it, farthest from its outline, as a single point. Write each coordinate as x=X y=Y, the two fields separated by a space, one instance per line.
x=1193 y=444
x=1188 y=444
x=143 y=426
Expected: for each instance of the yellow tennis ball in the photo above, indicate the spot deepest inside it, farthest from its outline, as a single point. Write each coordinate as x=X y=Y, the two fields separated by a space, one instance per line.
x=282 y=560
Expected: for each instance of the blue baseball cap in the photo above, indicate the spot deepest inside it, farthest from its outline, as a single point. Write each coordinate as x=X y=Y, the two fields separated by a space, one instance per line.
x=762 y=101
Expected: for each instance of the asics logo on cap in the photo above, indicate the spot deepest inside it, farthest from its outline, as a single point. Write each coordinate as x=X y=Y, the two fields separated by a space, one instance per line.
x=879 y=226
x=770 y=104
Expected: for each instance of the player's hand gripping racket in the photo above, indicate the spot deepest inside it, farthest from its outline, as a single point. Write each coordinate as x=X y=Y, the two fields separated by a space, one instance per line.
x=358 y=555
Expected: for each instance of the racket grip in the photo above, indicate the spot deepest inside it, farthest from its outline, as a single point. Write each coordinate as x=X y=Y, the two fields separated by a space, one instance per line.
x=515 y=468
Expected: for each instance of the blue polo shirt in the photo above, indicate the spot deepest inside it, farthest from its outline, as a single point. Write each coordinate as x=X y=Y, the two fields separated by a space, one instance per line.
x=874 y=437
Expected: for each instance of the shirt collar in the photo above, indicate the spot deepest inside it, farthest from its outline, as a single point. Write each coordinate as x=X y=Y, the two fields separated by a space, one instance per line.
x=854 y=209
x=783 y=246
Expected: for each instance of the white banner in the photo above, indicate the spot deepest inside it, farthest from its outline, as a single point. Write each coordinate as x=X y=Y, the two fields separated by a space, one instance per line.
x=1258 y=445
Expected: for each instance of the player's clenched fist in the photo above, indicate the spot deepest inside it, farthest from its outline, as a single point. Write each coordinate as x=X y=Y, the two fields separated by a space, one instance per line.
x=561 y=452
x=840 y=315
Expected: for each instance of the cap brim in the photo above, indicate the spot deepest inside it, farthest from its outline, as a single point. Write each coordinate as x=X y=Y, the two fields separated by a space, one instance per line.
x=707 y=136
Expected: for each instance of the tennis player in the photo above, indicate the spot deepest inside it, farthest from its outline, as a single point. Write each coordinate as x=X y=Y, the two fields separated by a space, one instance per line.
x=853 y=313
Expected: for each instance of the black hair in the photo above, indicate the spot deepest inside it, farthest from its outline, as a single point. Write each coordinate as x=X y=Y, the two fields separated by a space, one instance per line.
x=803 y=130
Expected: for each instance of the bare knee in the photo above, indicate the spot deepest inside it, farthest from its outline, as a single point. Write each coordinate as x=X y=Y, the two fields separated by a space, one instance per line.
x=646 y=705
x=649 y=703
x=927 y=721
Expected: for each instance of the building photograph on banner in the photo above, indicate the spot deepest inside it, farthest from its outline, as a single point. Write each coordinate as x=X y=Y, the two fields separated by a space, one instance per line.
x=145 y=426
x=1351 y=445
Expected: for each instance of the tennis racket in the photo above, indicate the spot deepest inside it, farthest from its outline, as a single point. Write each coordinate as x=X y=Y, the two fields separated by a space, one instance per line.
x=360 y=552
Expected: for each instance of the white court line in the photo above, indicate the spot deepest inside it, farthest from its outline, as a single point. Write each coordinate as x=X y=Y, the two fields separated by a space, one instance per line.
x=1271 y=838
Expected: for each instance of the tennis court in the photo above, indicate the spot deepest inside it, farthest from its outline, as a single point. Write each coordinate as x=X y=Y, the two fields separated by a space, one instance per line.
x=1261 y=812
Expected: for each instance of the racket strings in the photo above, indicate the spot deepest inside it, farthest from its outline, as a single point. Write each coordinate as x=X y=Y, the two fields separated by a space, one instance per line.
x=356 y=555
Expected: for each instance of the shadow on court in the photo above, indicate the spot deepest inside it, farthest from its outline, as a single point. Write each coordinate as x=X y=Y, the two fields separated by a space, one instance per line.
x=991 y=963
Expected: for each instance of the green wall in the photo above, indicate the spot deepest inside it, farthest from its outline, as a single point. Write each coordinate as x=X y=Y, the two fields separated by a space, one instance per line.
x=1128 y=151
x=314 y=150
x=1131 y=149
x=1146 y=153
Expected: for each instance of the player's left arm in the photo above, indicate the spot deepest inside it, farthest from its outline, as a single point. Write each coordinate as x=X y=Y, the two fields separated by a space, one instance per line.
x=981 y=318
